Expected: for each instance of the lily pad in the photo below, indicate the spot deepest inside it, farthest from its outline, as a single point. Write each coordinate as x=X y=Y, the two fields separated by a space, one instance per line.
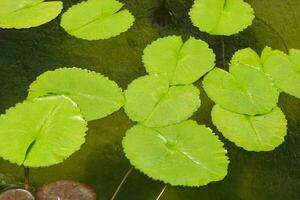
x=284 y=69
x=96 y=95
x=221 y=17
x=245 y=90
x=94 y=19
x=41 y=132
x=16 y=194
x=182 y=62
x=253 y=133
x=65 y=190
x=247 y=56
x=150 y=101
x=27 y=13
x=183 y=154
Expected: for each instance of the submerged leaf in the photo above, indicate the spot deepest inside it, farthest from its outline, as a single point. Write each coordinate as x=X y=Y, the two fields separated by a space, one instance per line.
x=245 y=90
x=221 y=17
x=182 y=62
x=27 y=13
x=152 y=102
x=247 y=57
x=41 y=132
x=253 y=133
x=65 y=190
x=183 y=154
x=284 y=69
x=16 y=194
x=96 y=95
x=95 y=19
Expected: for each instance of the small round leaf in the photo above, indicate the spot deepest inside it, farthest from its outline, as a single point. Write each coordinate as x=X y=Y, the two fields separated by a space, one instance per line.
x=221 y=17
x=253 y=133
x=27 y=13
x=284 y=69
x=184 y=154
x=151 y=101
x=95 y=19
x=16 y=194
x=182 y=62
x=41 y=132
x=96 y=95
x=245 y=90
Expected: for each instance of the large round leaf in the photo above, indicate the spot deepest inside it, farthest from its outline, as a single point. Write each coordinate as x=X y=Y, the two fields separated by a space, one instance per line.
x=41 y=132
x=284 y=69
x=221 y=17
x=245 y=90
x=253 y=133
x=97 y=19
x=182 y=62
x=183 y=154
x=247 y=56
x=151 y=101
x=27 y=13
x=96 y=95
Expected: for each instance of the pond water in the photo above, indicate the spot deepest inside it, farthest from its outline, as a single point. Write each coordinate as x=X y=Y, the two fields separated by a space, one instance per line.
x=24 y=54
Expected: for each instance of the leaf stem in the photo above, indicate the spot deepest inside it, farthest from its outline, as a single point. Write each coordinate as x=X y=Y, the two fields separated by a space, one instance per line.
x=26 y=178
x=162 y=192
x=122 y=183
x=223 y=52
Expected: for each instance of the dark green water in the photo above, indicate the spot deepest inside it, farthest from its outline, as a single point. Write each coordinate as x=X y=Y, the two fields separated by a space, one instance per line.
x=24 y=54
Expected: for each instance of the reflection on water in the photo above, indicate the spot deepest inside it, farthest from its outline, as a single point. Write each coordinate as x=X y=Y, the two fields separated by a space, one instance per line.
x=24 y=54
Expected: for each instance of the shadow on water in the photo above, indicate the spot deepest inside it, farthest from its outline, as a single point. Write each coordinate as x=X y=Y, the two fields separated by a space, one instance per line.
x=24 y=54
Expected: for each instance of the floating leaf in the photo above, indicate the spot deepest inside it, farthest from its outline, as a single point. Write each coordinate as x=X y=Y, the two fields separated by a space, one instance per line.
x=41 y=132
x=284 y=69
x=221 y=17
x=245 y=90
x=95 y=19
x=182 y=62
x=248 y=57
x=151 y=101
x=183 y=154
x=27 y=13
x=16 y=194
x=96 y=95
x=253 y=133
x=61 y=190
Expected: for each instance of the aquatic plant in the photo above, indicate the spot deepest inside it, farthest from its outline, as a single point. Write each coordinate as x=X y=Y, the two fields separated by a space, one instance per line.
x=284 y=69
x=182 y=62
x=253 y=133
x=41 y=132
x=245 y=89
x=150 y=101
x=221 y=17
x=27 y=13
x=94 y=19
x=95 y=94
x=182 y=154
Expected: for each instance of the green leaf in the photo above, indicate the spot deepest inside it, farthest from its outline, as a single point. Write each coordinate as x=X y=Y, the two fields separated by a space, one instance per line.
x=152 y=102
x=41 y=132
x=183 y=154
x=96 y=95
x=253 y=133
x=221 y=17
x=94 y=19
x=247 y=57
x=284 y=69
x=245 y=90
x=182 y=62
x=27 y=13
